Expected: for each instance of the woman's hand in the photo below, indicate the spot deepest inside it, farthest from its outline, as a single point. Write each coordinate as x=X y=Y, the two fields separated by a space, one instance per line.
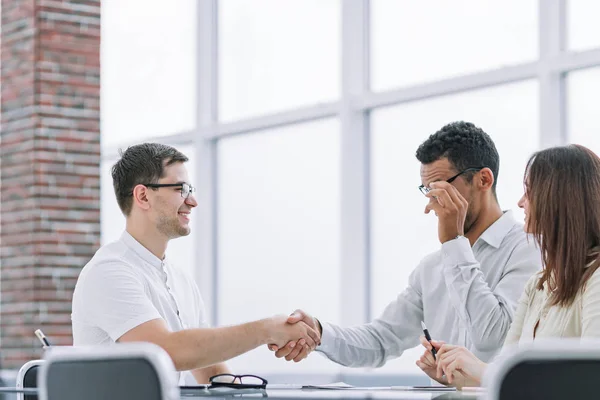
x=460 y=366
x=427 y=363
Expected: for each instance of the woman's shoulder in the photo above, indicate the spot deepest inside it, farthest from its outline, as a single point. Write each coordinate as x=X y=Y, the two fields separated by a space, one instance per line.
x=593 y=283
x=530 y=291
x=532 y=283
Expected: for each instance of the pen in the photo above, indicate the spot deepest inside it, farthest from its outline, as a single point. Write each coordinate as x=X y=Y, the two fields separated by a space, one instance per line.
x=40 y=335
x=428 y=337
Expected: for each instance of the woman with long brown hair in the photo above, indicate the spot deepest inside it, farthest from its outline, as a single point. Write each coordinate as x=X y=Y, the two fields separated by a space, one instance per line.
x=562 y=212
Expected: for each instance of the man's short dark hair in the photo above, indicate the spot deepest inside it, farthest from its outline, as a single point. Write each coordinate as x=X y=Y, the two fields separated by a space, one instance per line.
x=141 y=164
x=465 y=146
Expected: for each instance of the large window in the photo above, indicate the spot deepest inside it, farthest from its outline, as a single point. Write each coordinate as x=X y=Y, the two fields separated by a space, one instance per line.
x=270 y=60
x=415 y=42
x=583 y=28
x=584 y=124
x=279 y=229
x=148 y=57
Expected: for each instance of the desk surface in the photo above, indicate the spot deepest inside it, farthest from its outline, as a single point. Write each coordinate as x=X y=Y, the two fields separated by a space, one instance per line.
x=305 y=394
x=311 y=394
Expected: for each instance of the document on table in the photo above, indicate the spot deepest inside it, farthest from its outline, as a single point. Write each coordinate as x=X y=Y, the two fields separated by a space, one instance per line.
x=425 y=388
x=343 y=386
x=280 y=386
x=335 y=385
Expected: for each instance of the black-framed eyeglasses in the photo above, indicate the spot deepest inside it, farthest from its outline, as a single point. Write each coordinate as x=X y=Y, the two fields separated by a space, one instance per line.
x=424 y=189
x=186 y=188
x=238 y=381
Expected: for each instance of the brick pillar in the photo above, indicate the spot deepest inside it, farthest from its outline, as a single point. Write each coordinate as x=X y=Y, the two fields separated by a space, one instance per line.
x=49 y=166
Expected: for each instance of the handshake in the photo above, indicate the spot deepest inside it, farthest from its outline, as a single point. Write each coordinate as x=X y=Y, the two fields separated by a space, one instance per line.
x=294 y=337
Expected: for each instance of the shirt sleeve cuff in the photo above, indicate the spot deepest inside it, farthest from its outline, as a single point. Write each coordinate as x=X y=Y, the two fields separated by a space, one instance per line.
x=457 y=252
x=327 y=338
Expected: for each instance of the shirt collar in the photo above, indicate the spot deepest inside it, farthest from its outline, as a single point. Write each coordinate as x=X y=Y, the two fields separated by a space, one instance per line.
x=496 y=232
x=141 y=251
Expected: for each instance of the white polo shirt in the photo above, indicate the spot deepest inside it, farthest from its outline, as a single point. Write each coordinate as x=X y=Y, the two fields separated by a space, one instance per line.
x=125 y=285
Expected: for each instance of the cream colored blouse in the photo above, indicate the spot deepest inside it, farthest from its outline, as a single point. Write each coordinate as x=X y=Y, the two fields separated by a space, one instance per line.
x=580 y=319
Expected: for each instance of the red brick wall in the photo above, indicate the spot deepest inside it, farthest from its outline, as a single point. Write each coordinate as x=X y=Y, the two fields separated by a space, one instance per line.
x=49 y=166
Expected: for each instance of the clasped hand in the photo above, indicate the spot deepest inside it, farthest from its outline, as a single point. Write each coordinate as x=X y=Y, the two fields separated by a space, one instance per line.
x=298 y=350
x=454 y=365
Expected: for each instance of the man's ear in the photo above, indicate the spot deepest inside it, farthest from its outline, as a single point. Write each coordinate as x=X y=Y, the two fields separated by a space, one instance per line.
x=486 y=179
x=140 y=197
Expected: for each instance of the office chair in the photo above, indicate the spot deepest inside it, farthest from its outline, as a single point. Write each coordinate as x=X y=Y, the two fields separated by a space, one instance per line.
x=27 y=378
x=548 y=369
x=129 y=371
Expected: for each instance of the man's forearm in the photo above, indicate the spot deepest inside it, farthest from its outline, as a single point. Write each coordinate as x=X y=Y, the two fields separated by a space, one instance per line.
x=198 y=348
x=360 y=346
x=371 y=345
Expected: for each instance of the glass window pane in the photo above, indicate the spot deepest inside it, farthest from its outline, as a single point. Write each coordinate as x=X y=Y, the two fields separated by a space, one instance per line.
x=148 y=56
x=414 y=42
x=278 y=231
x=582 y=22
x=583 y=122
x=277 y=54
x=401 y=233
x=112 y=221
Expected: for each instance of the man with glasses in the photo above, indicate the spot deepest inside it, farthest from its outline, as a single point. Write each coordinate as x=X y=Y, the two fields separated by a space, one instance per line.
x=130 y=292
x=465 y=292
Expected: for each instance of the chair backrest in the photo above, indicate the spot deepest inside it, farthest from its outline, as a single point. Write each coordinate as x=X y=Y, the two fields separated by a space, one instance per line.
x=550 y=369
x=27 y=378
x=128 y=371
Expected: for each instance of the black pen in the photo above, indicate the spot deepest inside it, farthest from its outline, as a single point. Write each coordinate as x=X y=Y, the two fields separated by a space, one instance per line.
x=40 y=335
x=428 y=337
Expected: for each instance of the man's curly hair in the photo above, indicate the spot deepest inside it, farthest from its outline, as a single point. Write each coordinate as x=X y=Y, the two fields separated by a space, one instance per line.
x=465 y=146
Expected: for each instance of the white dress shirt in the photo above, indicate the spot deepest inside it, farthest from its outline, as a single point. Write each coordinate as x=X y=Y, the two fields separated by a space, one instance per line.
x=125 y=285
x=466 y=296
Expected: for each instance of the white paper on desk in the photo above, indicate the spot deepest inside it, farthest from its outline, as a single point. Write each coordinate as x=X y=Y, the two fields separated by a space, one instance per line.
x=279 y=386
x=335 y=385
x=425 y=388
x=343 y=386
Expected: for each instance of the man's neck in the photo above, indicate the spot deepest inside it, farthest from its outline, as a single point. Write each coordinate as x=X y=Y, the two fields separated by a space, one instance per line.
x=148 y=237
x=487 y=216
